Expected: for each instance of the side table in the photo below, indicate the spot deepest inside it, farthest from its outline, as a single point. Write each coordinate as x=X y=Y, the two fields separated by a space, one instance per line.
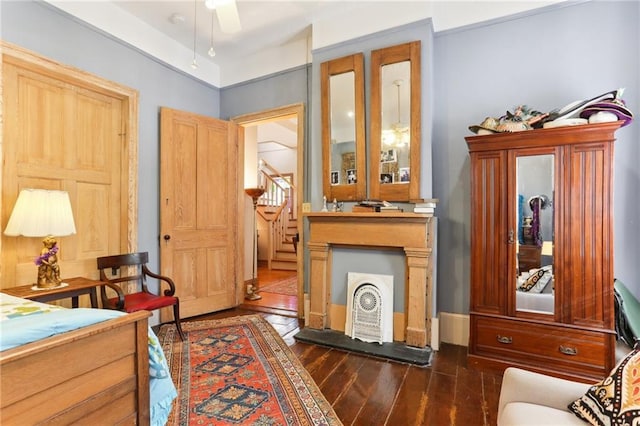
x=75 y=287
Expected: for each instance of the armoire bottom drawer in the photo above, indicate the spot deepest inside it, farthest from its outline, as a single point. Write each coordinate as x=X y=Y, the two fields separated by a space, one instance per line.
x=539 y=344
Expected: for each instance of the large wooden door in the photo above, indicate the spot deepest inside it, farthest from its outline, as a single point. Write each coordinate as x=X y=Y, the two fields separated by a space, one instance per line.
x=66 y=129
x=199 y=239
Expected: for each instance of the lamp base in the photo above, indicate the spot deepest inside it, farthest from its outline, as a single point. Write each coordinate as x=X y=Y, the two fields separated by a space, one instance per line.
x=49 y=284
x=48 y=268
x=252 y=295
x=36 y=288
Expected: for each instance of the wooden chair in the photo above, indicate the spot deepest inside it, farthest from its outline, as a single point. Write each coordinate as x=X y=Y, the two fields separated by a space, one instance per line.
x=142 y=298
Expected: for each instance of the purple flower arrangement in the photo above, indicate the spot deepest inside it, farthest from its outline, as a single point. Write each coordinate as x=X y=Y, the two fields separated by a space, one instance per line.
x=45 y=256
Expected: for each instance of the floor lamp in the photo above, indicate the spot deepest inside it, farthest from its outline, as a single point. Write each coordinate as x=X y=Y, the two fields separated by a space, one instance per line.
x=254 y=193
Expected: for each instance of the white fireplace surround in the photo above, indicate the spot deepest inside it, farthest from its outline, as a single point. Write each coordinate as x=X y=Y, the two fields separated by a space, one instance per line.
x=382 y=332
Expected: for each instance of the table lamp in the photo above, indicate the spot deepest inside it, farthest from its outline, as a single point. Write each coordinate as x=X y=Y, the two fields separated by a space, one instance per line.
x=43 y=213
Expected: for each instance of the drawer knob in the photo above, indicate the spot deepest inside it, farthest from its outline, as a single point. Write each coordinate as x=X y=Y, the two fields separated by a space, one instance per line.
x=505 y=339
x=568 y=350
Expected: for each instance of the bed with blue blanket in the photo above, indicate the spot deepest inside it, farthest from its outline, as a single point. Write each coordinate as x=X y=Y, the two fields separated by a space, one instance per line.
x=92 y=366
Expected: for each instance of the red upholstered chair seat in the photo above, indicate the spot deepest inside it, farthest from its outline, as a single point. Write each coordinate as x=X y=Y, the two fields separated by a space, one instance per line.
x=144 y=302
x=130 y=271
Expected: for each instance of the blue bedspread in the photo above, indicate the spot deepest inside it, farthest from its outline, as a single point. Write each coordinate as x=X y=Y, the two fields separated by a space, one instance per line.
x=23 y=321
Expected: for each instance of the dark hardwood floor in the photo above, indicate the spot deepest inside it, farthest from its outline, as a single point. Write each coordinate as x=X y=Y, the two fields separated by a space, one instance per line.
x=369 y=391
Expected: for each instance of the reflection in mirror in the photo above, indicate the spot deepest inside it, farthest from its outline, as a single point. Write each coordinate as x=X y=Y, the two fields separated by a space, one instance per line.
x=343 y=129
x=343 y=152
x=396 y=132
x=534 y=212
x=395 y=123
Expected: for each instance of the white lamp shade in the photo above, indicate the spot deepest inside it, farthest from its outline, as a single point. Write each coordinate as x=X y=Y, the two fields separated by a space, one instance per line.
x=40 y=212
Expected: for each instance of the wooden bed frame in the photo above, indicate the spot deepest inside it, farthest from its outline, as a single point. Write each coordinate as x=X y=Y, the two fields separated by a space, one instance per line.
x=95 y=375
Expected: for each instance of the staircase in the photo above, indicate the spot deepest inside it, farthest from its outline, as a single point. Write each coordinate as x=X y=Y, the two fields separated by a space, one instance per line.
x=284 y=254
x=277 y=208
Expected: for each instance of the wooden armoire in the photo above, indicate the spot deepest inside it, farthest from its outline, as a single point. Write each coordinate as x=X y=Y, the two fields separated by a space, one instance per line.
x=567 y=329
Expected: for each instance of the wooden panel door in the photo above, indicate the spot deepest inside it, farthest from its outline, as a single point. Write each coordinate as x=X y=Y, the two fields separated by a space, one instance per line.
x=489 y=281
x=199 y=245
x=67 y=130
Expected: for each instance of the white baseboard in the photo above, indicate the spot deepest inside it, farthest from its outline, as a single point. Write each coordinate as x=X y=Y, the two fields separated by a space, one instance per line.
x=454 y=328
x=306 y=309
x=435 y=333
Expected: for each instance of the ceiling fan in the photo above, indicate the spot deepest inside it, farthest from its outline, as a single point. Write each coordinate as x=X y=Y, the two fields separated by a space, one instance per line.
x=228 y=17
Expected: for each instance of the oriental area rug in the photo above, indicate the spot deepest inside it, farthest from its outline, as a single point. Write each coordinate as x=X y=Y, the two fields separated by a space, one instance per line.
x=287 y=286
x=239 y=371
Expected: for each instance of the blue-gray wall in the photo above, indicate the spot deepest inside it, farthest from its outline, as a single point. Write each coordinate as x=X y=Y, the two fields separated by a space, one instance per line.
x=284 y=88
x=545 y=59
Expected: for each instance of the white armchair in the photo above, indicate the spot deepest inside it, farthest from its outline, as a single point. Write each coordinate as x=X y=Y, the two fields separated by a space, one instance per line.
x=528 y=398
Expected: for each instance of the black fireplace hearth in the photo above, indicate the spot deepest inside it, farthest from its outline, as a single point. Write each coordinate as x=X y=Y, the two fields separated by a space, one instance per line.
x=396 y=351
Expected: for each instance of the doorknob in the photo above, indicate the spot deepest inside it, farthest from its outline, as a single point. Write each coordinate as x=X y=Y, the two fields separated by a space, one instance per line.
x=166 y=237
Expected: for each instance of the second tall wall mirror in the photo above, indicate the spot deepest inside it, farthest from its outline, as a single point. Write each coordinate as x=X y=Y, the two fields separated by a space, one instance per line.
x=343 y=136
x=395 y=123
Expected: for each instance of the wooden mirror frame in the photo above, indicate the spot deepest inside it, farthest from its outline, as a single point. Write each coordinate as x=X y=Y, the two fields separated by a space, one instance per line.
x=390 y=55
x=343 y=192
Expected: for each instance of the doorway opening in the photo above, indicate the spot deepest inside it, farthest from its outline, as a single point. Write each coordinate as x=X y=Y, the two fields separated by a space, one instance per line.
x=273 y=160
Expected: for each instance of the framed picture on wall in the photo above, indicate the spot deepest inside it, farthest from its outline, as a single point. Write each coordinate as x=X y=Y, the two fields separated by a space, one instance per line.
x=351 y=176
x=386 y=177
x=335 y=177
x=388 y=156
x=405 y=175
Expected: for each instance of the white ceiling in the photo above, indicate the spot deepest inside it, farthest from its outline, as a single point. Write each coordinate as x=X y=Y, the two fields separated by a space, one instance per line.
x=265 y=24
x=277 y=135
x=275 y=35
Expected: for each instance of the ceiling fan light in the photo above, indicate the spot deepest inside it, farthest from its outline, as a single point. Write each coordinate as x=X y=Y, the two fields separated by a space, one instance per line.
x=388 y=137
x=211 y=52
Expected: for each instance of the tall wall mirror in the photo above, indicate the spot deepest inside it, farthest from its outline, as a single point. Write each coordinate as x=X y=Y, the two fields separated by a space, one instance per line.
x=535 y=283
x=343 y=137
x=395 y=123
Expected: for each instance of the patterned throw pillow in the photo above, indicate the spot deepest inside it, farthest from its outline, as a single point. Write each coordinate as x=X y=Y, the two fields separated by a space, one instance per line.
x=533 y=279
x=616 y=399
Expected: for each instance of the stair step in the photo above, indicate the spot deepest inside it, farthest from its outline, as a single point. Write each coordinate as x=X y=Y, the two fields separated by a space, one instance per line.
x=284 y=265
x=285 y=255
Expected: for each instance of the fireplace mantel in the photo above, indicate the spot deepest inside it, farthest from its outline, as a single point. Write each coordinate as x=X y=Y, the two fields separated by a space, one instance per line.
x=412 y=232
